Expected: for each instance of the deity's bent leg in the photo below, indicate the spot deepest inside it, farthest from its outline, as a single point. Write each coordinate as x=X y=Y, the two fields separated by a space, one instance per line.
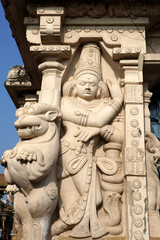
x=69 y=197
x=80 y=178
x=68 y=193
x=72 y=177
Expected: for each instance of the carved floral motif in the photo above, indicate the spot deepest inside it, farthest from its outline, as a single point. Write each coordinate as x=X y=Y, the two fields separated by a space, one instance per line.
x=138 y=209
x=136 y=183
x=134 y=111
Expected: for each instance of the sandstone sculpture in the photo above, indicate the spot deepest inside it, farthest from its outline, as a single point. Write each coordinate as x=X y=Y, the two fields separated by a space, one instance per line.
x=89 y=173
x=90 y=184
x=30 y=169
x=97 y=63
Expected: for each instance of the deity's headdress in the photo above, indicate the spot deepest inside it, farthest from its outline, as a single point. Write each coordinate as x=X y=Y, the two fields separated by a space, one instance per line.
x=89 y=61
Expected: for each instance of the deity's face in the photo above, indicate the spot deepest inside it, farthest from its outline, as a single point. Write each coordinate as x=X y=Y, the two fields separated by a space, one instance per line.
x=87 y=86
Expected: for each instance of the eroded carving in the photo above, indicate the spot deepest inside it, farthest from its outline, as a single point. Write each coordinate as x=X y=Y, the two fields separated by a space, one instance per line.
x=91 y=185
x=134 y=143
x=138 y=235
x=30 y=169
x=134 y=111
x=153 y=156
x=136 y=195
x=138 y=222
x=134 y=123
x=96 y=10
x=18 y=76
x=138 y=209
x=134 y=9
x=136 y=183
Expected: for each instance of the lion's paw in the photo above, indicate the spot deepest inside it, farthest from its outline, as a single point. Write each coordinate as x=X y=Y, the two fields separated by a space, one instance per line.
x=7 y=155
x=25 y=156
x=11 y=189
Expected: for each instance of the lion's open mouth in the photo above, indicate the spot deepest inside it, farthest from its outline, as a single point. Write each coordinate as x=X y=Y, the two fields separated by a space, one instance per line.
x=24 y=129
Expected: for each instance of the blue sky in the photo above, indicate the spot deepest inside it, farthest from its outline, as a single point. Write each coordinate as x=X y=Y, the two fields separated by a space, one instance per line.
x=9 y=56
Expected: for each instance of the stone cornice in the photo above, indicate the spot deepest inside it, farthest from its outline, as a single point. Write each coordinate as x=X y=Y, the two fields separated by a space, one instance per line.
x=114 y=8
x=23 y=13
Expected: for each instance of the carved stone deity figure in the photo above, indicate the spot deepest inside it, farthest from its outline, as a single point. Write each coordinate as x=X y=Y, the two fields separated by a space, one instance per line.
x=153 y=157
x=90 y=173
x=30 y=169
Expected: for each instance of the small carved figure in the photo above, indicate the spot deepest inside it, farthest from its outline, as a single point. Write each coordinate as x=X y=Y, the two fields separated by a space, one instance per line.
x=90 y=185
x=18 y=75
x=30 y=169
x=153 y=156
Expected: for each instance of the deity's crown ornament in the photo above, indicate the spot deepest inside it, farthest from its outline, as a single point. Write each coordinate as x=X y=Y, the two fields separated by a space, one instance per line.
x=89 y=61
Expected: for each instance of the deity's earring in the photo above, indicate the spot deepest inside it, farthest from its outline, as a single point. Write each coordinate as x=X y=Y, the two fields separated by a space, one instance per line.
x=98 y=95
x=74 y=93
x=68 y=87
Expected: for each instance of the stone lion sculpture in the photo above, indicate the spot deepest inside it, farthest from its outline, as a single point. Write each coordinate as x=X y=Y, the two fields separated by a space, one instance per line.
x=30 y=169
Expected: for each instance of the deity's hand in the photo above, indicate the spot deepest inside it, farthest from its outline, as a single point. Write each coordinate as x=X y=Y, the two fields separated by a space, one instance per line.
x=83 y=134
x=107 y=132
x=115 y=89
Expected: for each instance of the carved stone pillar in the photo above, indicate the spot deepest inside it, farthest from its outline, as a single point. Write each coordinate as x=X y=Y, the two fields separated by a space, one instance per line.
x=50 y=53
x=51 y=82
x=135 y=170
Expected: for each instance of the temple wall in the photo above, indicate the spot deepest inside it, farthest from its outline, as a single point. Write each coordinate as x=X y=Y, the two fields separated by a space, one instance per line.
x=86 y=165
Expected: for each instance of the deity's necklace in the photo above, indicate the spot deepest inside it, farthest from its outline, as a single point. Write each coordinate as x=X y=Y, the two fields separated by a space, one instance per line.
x=87 y=104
